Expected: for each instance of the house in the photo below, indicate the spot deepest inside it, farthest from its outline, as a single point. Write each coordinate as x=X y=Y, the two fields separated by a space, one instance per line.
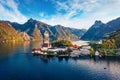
x=97 y=53
x=57 y=49
x=46 y=46
x=75 y=46
x=37 y=50
x=85 y=49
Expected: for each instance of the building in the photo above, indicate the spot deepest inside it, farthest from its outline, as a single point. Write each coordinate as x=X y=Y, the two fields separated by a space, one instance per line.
x=46 y=43
x=85 y=49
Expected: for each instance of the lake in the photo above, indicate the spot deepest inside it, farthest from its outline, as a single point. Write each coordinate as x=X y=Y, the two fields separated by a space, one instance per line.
x=17 y=63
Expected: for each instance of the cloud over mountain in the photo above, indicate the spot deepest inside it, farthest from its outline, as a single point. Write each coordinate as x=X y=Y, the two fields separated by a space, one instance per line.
x=72 y=13
x=9 y=11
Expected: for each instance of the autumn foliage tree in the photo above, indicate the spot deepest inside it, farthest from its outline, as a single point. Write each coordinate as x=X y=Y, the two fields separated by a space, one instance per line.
x=109 y=44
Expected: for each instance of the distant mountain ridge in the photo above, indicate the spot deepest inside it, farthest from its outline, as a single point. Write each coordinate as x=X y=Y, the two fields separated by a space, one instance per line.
x=55 y=32
x=34 y=30
x=99 y=29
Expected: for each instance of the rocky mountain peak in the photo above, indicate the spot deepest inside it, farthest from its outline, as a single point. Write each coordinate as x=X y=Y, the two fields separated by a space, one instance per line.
x=31 y=20
x=99 y=29
x=98 y=21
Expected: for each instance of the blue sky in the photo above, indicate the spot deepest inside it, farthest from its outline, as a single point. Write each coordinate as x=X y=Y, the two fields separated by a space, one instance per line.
x=69 y=13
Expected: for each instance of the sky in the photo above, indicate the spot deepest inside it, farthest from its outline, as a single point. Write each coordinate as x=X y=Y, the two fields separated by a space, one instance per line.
x=70 y=13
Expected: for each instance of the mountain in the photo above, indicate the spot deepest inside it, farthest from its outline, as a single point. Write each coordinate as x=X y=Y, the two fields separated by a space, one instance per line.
x=99 y=29
x=8 y=33
x=61 y=32
x=33 y=28
x=36 y=30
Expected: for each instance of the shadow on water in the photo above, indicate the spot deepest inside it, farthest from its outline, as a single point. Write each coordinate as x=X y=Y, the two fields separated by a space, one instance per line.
x=44 y=58
x=108 y=59
x=47 y=59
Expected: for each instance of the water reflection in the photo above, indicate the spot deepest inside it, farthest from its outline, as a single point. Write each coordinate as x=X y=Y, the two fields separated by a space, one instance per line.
x=36 y=44
x=45 y=59
x=109 y=66
x=20 y=47
x=21 y=63
x=7 y=48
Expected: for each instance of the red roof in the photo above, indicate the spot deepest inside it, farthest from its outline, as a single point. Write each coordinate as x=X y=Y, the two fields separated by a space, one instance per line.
x=36 y=49
x=75 y=46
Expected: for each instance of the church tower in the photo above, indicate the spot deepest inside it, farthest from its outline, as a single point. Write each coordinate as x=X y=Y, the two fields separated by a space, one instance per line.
x=46 y=37
x=46 y=43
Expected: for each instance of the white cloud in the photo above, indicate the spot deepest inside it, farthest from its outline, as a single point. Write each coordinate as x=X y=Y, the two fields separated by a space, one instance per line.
x=77 y=13
x=92 y=10
x=9 y=11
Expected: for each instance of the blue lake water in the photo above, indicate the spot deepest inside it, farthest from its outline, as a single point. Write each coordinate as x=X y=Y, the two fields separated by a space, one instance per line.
x=17 y=63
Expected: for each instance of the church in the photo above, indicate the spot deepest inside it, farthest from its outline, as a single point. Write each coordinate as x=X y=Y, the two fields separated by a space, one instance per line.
x=46 y=43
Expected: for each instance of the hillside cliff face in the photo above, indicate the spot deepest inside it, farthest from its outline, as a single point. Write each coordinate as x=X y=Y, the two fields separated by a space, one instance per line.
x=36 y=34
x=99 y=29
x=59 y=31
x=25 y=36
x=8 y=33
x=78 y=32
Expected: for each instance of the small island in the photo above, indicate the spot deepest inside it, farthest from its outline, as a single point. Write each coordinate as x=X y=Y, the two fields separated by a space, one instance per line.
x=66 y=48
x=59 y=48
